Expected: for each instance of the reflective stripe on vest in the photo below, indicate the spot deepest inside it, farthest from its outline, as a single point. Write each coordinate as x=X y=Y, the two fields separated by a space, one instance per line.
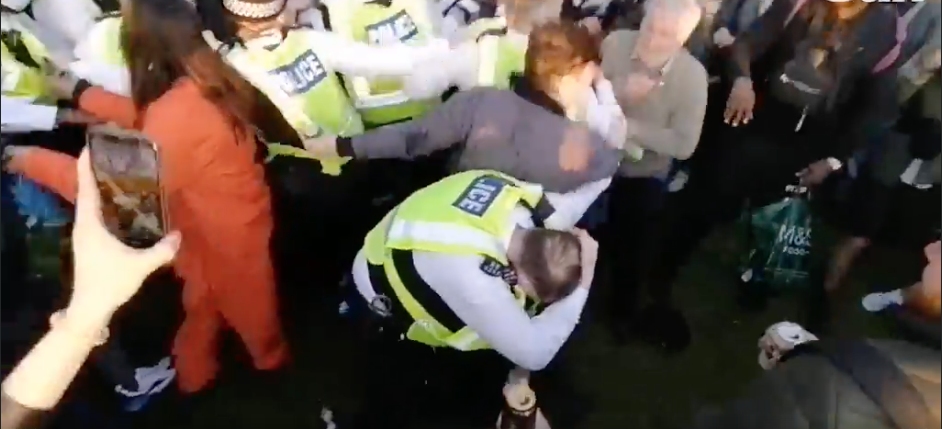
x=466 y=214
x=381 y=101
x=21 y=79
x=498 y=57
x=304 y=90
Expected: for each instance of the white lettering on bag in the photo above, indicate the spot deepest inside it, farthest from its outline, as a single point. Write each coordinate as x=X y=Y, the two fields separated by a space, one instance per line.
x=301 y=75
x=477 y=198
x=797 y=240
x=399 y=28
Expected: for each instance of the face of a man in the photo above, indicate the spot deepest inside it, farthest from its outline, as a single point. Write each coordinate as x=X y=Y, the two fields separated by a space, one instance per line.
x=664 y=32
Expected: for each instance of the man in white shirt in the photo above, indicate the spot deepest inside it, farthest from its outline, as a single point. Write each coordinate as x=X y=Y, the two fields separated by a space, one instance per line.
x=471 y=301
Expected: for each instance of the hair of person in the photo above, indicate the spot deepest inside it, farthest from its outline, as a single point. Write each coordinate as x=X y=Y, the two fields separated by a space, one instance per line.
x=675 y=8
x=556 y=49
x=162 y=41
x=552 y=260
x=523 y=15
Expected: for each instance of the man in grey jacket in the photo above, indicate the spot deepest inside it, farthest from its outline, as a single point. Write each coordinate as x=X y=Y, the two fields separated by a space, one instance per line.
x=662 y=90
x=540 y=132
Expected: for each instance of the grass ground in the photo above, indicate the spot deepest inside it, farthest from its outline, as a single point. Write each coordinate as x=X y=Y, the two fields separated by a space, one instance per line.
x=629 y=386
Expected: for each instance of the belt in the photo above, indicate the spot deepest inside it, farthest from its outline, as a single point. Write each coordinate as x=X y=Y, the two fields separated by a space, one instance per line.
x=420 y=290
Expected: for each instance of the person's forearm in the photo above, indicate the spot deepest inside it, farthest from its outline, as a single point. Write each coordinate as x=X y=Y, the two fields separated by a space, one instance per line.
x=571 y=206
x=665 y=141
x=20 y=116
x=42 y=377
x=441 y=128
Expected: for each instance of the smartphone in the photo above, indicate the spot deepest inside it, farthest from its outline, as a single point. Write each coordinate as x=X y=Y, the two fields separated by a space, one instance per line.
x=126 y=165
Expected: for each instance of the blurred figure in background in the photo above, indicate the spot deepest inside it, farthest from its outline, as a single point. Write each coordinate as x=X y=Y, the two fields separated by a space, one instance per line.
x=213 y=181
x=912 y=148
x=777 y=128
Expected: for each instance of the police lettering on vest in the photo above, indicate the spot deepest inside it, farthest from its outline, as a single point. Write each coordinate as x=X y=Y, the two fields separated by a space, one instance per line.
x=477 y=198
x=397 y=28
x=301 y=74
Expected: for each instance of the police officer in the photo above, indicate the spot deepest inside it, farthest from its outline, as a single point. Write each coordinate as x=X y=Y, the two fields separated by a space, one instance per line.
x=451 y=276
x=384 y=23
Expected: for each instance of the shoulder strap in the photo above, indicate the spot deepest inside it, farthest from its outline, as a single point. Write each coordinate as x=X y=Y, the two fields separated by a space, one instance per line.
x=911 y=13
x=901 y=32
x=880 y=379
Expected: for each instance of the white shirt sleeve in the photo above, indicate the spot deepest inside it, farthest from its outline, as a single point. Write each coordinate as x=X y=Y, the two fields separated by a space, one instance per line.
x=604 y=115
x=114 y=79
x=435 y=75
x=359 y=59
x=20 y=115
x=571 y=206
x=71 y=18
x=487 y=306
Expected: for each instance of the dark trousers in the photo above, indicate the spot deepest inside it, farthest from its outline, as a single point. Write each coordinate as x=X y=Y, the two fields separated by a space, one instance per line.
x=635 y=209
x=411 y=385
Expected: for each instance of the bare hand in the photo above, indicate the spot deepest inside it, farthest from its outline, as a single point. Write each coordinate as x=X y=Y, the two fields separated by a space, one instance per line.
x=13 y=157
x=593 y=24
x=60 y=83
x=107 y=272
x=323 y=147
x=636 y=87
x=590 y=254
x=742 y=99
x=723 y=38
x=815 y=173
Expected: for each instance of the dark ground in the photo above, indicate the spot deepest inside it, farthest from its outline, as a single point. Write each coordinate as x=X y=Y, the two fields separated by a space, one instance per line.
x=630 y=386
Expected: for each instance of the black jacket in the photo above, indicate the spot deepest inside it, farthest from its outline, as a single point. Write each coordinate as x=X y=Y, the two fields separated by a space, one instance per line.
x=810 y=392
x=864 y=100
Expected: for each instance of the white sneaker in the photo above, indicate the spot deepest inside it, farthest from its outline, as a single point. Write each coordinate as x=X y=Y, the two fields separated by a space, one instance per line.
x=879 y=301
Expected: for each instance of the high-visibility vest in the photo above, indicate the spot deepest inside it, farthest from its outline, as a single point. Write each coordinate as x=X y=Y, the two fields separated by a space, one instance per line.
x=23 y=57
x=303 y=88
x=381 y=101
x=498 y=57
x=105 y=40
x=464 y=214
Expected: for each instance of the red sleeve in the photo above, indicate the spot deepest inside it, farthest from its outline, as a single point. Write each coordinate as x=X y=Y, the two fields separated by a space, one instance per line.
x=109 y=107
x=51 y=169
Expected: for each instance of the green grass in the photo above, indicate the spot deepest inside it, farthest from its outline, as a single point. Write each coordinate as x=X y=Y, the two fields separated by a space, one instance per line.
x=630 y=386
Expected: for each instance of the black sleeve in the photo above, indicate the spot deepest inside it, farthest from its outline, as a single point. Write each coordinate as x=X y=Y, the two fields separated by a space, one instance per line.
x=873 y=106
x=755 y=41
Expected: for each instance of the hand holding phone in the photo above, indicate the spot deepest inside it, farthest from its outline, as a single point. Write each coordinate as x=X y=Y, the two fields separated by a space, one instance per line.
x=126 y=166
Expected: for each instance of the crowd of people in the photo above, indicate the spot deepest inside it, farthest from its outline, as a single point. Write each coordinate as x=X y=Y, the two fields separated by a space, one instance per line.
x=436 y=170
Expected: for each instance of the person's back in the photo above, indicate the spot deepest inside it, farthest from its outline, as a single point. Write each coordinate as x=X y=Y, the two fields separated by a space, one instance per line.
x=808 y=391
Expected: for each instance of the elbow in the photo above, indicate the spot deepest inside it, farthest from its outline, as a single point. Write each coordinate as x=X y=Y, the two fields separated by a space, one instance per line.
x=532 y=354
x=535 y=361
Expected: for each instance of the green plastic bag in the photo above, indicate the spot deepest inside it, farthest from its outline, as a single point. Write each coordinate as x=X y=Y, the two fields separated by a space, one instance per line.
x=780 y=239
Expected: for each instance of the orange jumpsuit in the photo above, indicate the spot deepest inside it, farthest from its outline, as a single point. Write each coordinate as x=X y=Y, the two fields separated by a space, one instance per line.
x=217 y=197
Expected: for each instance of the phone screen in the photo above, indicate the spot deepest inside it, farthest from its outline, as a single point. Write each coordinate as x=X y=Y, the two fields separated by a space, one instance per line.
x=126 y=167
